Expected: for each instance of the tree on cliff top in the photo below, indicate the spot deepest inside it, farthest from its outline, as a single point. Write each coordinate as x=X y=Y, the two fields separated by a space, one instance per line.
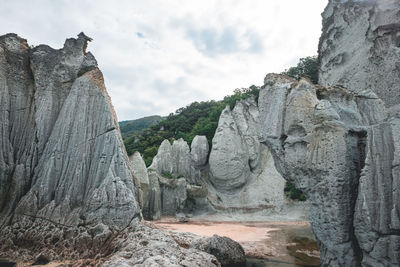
x=307 y=67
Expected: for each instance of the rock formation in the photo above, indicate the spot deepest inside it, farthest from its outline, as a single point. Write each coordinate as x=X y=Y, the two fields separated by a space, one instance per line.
x=62 y=157
x=141 y=175
x=342 y=150
x=67 y=190
x=229 y=157
x=360 y=47
x=227 y=251
x=178 y=160
x=242 y=172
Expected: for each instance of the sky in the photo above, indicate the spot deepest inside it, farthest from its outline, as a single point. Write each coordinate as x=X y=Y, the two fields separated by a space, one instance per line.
x=158 y=55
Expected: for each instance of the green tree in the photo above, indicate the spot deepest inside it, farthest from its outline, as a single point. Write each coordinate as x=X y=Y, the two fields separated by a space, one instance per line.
x=307 y=67
x=293 y=193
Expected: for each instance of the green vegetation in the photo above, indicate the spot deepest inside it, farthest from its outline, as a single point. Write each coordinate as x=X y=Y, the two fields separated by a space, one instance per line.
x=293 y=193
x=198 y=118
x=171 y=176
x=307 y=67
x=129 y=128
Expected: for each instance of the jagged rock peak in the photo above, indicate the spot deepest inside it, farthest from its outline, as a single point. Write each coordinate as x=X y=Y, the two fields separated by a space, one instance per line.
x=61 y=158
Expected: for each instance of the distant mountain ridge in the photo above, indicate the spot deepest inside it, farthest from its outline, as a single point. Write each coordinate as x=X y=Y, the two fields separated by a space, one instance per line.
x=131 y=127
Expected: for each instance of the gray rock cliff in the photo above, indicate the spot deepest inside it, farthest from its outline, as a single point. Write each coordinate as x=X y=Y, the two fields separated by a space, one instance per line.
x=360 y=47
x=341 y=150
x=62 y=156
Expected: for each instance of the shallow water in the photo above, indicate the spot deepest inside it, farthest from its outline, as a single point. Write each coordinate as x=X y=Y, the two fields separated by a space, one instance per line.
x=6 y=263
x=282 y=244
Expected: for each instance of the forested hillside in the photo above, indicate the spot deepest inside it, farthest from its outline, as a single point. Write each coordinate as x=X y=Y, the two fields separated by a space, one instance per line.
x=131 y=127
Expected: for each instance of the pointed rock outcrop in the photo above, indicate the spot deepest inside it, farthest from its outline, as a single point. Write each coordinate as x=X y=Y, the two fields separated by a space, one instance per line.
x=62 y=156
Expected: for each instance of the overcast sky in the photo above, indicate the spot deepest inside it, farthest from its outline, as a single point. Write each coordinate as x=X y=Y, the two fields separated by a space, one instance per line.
x=159 y=55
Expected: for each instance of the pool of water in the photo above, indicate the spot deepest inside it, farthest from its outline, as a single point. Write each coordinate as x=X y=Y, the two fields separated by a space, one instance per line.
x=251 y=262
x=6 y=263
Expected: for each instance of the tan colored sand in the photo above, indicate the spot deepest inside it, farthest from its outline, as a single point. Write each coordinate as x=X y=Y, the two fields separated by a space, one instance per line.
x=237 y=232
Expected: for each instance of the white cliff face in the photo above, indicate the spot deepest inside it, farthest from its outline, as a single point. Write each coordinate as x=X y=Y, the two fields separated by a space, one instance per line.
x=360 y=47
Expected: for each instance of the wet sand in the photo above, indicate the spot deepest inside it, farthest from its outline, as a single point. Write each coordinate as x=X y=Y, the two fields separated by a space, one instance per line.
x=265 y=243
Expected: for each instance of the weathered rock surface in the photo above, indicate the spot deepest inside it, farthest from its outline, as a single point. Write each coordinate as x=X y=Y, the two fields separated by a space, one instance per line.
x=229 y=157
x=241 y=168
x=141 y=175
x=62 y=157
x=152 y=203
x=199 y=150
x=173 y=195
x=223 y=248
x=181 y=161
x=340 y=149
x=360 y=47
x=151 y=247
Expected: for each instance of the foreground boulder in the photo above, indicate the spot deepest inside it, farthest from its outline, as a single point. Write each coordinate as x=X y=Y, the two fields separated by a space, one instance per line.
x=342 y=150
x=227 y=251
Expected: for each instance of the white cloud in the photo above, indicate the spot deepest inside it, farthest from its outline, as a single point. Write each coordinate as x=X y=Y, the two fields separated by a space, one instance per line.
x=157 y=55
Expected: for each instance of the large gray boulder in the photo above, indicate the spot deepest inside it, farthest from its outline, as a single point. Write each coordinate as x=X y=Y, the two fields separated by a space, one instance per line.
x=61 y=155
x=359 y=47
x=227 y=251
x=341 y=150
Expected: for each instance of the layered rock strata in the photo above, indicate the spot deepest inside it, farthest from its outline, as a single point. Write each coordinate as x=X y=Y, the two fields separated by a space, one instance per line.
x=360 y=47
x=341 y=149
